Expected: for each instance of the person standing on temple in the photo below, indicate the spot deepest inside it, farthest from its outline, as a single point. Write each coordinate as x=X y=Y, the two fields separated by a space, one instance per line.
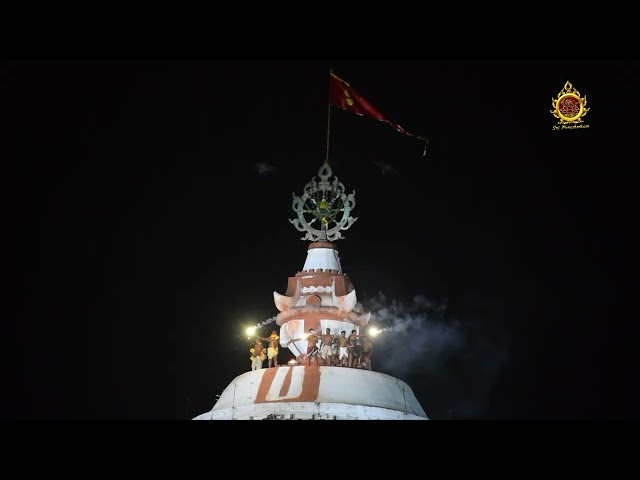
x=326 y=347
x=365 y=355
x=257 y=355
x=352 y=348
x=312 y=346
x=272 y=351
x=343 y=353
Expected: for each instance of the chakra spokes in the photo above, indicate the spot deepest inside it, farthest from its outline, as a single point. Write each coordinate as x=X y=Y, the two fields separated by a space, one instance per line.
x=324 y=209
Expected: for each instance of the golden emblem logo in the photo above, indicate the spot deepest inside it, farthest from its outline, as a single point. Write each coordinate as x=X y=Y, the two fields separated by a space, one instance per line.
x=569 y=108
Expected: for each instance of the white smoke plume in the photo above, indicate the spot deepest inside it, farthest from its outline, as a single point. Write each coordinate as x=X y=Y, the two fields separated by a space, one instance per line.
x=455 y=360
x=265 y=322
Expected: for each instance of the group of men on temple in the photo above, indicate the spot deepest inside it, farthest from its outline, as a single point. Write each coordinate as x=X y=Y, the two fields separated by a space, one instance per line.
x=259 y=353
x=353 y=351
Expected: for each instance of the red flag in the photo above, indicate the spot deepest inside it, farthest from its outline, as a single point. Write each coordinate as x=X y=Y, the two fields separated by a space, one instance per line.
x=342 y=96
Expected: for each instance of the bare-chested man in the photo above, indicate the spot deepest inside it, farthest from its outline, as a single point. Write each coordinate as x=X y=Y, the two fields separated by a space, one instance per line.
x=343 y=353
x=334 y=352
x=312 y=346
x=326 y=349
x=272 y=351
x=351 y=348
x=365 y=355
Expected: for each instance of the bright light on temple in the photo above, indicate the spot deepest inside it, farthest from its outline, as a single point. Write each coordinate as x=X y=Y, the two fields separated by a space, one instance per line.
x=373 y=331
x=251 y=330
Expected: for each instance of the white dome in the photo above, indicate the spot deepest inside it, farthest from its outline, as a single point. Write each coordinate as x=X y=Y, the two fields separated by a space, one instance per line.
x=311 y=392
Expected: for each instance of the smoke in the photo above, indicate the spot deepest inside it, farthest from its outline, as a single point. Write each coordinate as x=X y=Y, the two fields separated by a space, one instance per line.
x=265 y=322
x=264 y=168
x=451 y=361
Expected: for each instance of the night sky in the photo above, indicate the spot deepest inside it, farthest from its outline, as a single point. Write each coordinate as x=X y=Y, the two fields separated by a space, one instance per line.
x=146 y=237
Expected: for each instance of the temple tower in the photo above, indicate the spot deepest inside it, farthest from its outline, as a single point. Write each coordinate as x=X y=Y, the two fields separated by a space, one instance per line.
x=319 y=296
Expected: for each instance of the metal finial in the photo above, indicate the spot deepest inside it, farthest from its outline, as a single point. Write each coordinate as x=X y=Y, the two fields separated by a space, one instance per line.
x=324 y=209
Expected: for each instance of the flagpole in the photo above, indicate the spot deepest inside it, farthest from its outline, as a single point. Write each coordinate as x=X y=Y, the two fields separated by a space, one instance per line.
x=326 y=160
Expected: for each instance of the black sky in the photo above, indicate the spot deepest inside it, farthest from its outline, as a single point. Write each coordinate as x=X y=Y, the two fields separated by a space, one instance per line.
x=144 y=240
